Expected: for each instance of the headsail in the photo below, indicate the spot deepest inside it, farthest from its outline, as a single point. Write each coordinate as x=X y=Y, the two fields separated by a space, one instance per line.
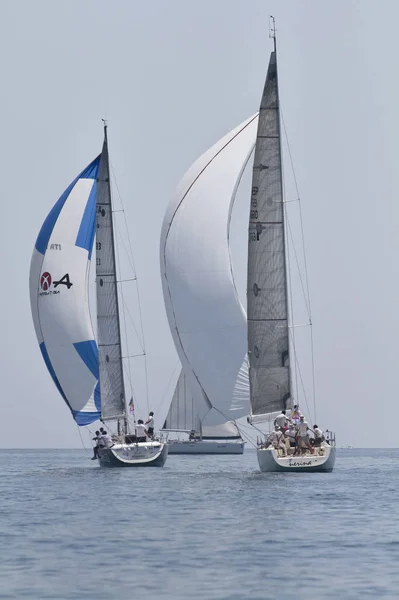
x=206 y=318
x=182 y=413
x=108 y=326
x=268 y=337
x=59 y=296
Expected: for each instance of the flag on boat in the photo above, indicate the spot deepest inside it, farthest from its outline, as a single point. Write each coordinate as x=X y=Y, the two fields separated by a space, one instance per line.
x=131 y=405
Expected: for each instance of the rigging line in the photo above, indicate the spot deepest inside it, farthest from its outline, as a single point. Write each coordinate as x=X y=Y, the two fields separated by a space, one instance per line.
x=124 y=214
x=302 y=384
x=134 y=327
x=137 y=288
x=123 y=303
x=245 y=435
x=288 y=264
x=300 y=208
x=231 y=420
x=130 y=261
x=170 y=379
x=81 y=439
x=304 y=259
x=132 y=389
x=299 y=270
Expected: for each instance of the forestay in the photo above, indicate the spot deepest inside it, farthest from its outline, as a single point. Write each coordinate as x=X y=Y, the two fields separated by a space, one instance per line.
x=268 y=340
x=59 y=296
x=206 y=318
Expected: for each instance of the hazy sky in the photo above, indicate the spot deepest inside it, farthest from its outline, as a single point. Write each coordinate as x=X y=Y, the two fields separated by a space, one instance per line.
x=172 y=77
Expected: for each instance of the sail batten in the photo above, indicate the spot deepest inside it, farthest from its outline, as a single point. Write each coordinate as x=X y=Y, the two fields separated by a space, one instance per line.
x=112 y=387
x=267 y=306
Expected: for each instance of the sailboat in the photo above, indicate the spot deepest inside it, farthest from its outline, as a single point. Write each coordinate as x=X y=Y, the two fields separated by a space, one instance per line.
x=206 y=318
x=89 y=376
x=269 y=352
x=183 y=428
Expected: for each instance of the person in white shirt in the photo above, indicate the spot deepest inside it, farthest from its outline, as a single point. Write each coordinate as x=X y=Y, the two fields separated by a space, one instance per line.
x=276 y=438
x=107 y=440
x=150 y=425
x=318 y=436
x=303 y=437
x=141 y=431
x=291 y=436
x=281 y=420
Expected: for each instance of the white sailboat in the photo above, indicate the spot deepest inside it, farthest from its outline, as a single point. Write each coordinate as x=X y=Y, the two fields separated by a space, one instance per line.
x=183 y=428
x=206 y=318
x=269 y=350
x=88 y=376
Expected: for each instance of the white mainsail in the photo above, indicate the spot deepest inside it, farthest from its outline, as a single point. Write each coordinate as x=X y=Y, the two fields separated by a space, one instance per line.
x=267 y=306
x=59 y=296
x=206 y=318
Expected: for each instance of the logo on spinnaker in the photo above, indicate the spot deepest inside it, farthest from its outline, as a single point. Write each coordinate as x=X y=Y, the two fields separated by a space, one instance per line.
x=45 y=281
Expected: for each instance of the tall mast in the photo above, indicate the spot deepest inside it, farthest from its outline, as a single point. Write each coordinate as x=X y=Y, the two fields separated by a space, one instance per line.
x=112 y=387
x=267 y=287
x=273 y=36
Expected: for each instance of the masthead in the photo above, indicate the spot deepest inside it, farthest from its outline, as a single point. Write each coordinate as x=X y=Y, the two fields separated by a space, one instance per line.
x=272 y=29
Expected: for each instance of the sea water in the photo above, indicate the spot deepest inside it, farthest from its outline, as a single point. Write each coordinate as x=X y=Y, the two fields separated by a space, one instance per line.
x=202 y=527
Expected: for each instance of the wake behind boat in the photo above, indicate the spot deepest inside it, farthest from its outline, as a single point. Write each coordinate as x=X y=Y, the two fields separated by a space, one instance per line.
x=270 y=326
x=88 y=376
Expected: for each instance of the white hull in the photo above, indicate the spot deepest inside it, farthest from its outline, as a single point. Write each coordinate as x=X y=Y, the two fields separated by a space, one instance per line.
x=269 y=461
x=205 y=447
x=143 y=454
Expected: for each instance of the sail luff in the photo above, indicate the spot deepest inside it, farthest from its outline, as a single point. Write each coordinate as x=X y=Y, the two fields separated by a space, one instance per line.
x=267 y=315
x=112 y=388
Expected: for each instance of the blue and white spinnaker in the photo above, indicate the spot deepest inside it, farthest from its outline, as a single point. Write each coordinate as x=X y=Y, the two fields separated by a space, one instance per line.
x=59 y=296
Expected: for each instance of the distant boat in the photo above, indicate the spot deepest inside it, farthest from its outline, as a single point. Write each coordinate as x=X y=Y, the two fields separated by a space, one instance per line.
x=183 y=428
x=89 y=378
x=269 y=351
x=206 y=318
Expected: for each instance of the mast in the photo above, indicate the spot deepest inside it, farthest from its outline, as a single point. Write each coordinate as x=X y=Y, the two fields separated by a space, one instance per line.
x=273 y=36
x=267 y=286
x=112 y=387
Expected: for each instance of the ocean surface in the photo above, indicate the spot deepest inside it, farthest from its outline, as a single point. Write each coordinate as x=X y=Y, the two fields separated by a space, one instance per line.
x=210 y=528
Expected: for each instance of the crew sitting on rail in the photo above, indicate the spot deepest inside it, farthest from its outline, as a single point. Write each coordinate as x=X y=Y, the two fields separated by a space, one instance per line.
x=106 y=439
x=96 y=447
x=276 y=439
x=318 y=437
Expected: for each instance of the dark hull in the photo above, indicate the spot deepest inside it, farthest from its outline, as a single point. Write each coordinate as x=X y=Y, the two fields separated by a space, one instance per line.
x=110 y=458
